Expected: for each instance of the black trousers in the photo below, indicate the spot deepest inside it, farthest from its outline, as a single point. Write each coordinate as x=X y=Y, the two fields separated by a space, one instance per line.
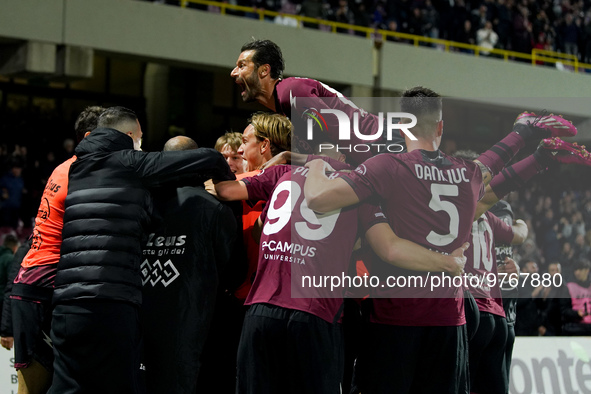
x=287 y=351
x=410 y=359
x=97 y=348
x=488 y=373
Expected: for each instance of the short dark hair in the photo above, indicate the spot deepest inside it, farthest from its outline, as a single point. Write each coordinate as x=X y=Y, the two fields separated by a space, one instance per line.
x=10 y=241
x=420 y=100
x=116 y=117
x=266 y=52
x=87 y=120
x=582 y=264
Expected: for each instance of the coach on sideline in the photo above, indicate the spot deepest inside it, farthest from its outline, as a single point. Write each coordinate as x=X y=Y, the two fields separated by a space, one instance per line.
x=95 y=329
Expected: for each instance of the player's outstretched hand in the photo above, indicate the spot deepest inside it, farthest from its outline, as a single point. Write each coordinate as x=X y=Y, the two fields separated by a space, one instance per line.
x=459 y=259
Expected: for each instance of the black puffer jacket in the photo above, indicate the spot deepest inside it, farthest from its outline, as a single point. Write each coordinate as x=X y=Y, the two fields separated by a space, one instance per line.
x=107 y=207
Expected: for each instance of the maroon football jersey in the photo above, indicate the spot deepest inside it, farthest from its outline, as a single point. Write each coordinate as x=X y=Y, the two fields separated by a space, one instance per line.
x=297 y=243
x=287 y=92
x=481 y=265
x=429 y=198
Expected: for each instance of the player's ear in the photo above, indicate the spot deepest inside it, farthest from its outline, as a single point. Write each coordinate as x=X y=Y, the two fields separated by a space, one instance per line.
x=440 y=128
x=265 y=145
x=264 y=70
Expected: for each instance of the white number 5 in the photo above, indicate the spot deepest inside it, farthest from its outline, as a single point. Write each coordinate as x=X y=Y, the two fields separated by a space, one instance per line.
x=437 y=205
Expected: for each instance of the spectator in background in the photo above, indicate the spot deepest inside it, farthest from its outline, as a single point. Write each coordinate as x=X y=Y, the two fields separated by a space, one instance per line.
x=431 y=20
x=504 y=23
x=7 y=251
x=586 y=33
x=457 y=28
x=567 y=256
x=361 y=17
x=12 y=187
x=486 y=37
x=480 y=17
x=380 y=16
x=551 y=242
x=313 y=9
x=570 y=33
x=581 y=248
x=415 y=22
x=47 y=166
x=528 y=317
x=578 y=224
x=285 y=17
x=68 y=149
x=466 y=36
x=522 y=30
x=578 y=316
x=553 y=300
x=393 y=26
x=228 y=145
x=343 y=14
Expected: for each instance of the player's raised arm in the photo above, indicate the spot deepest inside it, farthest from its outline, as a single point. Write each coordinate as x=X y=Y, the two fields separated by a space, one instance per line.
x=324 y=194
x=550 y=152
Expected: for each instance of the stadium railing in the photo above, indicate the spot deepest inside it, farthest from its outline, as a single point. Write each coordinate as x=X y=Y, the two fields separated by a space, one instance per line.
x=537 y=57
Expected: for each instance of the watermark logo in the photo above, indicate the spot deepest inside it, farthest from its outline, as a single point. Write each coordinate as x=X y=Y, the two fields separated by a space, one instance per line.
x=314 y=117
x=328 y=125
x=344 y=124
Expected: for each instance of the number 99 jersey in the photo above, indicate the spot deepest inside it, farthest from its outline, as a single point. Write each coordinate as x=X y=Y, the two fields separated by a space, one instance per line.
x=299 y=248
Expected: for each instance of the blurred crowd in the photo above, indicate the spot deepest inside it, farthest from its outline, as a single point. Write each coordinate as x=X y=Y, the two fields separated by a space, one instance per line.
x=22 y=179
x=558 y=246
x=517 y=25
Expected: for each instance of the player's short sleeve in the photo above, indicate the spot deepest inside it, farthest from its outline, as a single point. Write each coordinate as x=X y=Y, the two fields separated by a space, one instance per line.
x=502 y=232
x=260 y=186
x=369 y=214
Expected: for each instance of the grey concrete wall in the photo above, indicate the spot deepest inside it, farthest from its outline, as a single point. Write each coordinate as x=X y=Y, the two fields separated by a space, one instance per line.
x=163 y=32
x=40 y=20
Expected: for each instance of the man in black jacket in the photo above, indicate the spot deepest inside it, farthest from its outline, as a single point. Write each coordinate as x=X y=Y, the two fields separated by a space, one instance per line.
x=95 y=329
x=182 y=263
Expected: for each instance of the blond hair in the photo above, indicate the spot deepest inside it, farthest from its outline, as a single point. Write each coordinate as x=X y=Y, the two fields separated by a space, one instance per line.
x=276 y=128
x=232 y=139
